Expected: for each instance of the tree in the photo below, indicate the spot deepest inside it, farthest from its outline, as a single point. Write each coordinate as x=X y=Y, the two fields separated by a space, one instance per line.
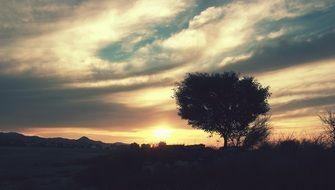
x=328 y=119
x=222 y=103
x=134 y=146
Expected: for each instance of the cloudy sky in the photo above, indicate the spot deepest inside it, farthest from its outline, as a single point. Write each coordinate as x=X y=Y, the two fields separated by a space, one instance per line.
x=105 y=69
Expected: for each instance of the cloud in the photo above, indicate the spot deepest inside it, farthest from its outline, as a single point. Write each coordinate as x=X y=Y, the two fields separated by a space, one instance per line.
x=235 y=30
x=285 y=53
x=86 y=27
x=72 y=46
x=272 y=35
x=302 y=81
x=22 y=19
x=147 y=98
x=42 y=102
x=305 y=103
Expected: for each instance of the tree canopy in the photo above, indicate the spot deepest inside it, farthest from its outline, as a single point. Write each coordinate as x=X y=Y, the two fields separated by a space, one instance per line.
x=222 y=103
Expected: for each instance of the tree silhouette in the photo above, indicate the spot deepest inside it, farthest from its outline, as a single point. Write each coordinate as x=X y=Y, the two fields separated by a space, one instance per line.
x=222 y=103
x=328 y=119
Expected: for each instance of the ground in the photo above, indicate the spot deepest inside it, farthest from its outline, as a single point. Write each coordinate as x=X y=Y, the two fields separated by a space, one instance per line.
x=41 y=168
x=286 y=165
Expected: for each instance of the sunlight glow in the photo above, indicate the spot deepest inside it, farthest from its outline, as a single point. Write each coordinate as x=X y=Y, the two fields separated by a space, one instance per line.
x=162 y=133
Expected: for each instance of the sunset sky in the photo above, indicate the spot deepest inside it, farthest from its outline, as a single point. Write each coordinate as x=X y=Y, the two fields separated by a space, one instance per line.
x=106 y=69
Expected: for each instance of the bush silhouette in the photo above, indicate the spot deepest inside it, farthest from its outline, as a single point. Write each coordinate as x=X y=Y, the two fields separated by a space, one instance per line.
x=285 y=164
x=222 y=103
x=257 y=134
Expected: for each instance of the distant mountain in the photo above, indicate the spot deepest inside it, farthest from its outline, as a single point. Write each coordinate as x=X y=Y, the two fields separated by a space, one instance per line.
x=17 y=139
x=20 y=140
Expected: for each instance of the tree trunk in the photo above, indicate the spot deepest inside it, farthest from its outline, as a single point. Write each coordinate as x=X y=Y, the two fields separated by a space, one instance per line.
x=225 y=140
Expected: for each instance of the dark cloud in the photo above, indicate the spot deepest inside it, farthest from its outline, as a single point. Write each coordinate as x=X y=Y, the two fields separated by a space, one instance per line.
x=28 y=101
x=304 y=103
x=308 y=112
x=285 y=53
x=294 y=92
x=26 y=112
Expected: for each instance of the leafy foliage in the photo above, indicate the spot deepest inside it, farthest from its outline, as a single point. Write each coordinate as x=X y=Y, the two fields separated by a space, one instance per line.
x=223 y=103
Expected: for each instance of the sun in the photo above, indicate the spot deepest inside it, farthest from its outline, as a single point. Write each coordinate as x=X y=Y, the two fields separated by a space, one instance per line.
x=162 y=133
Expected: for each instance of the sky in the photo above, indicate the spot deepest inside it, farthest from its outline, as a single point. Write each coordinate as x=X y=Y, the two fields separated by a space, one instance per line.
x=106 y=69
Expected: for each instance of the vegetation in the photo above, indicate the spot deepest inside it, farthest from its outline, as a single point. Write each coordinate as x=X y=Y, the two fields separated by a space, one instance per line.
x=258 y=133
x=328 y=119
x=286 y=164
x=259 y=164
x=224 y=103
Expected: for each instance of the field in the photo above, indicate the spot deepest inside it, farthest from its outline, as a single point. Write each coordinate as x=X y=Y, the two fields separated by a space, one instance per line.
x=41 y=168
x=285 y=165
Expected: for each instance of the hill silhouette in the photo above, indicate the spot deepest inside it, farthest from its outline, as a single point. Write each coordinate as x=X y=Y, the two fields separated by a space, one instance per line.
x=17 y=139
